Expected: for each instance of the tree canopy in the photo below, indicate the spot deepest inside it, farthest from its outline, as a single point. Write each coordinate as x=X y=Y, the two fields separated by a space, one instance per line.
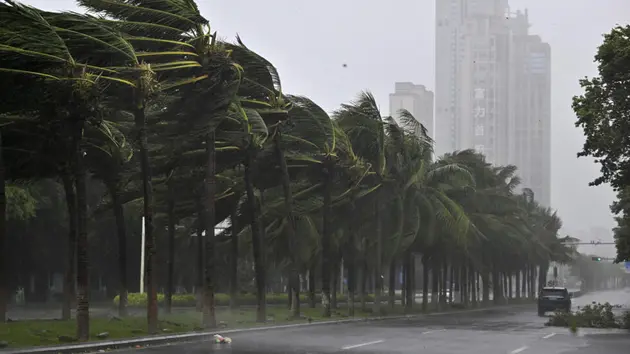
x=139 y=111
x=603 y=111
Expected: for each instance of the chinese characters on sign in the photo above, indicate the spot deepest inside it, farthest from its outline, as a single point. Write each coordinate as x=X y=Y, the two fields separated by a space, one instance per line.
x=479 y=130
x=479 y=112
x=480 y=94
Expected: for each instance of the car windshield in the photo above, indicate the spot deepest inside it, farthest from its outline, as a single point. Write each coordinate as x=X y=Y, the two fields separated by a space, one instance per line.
x=554 y=292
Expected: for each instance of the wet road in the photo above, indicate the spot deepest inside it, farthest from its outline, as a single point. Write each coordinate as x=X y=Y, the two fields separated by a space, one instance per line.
x=507 y=330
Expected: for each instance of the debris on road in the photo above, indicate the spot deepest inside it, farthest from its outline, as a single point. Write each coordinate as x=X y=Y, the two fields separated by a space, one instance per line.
x=219 y=339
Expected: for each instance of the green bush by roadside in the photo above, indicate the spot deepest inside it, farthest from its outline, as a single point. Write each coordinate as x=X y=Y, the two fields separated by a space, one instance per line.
x=189 y=300
x=590 y=316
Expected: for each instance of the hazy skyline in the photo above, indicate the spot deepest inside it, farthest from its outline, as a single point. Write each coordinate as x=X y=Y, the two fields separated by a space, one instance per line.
x=385 y=42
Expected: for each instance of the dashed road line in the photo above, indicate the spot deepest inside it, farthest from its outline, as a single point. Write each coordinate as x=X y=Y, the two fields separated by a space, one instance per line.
x=549 y=335
x=433 y=331
x=516 y=351
x=362 y=345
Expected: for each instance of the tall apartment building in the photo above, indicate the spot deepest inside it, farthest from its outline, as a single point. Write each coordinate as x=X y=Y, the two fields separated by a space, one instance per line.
x=416 y=99
x=493 y=88
x=530 y=116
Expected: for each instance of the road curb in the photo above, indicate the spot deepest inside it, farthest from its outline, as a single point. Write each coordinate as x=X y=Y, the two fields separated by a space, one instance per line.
x=204 y=336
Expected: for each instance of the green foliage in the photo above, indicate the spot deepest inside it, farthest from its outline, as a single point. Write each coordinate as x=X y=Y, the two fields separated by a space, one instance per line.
x=625 y=320
x=590 y=316
x=603 y=111
x=621 y=232
x=155 y=69
x=21 y=205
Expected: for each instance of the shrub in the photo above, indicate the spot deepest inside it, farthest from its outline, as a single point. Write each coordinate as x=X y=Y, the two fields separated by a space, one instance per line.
x=590 y=316
x=625 y=320
x=245 y=299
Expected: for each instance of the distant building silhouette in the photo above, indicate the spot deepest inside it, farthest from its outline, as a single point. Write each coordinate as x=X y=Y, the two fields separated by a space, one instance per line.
x=493 y=88
x=416 y=99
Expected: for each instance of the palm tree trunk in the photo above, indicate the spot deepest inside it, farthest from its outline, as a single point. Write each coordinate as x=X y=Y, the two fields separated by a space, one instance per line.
x=326 y=236
x=451 y=283
x=485 y=280
x=201 y=227
x=234 y=260
x=121 y=232
x=352 y=275
x=4 y=266
x=311 y=287
x=83 y=286
x=496 y=286
x=209 y=316
x=517 y=284
x=542 y=275
x=524 y=282
x=463 y=284
x=532 y=281
x=149 y=246
x=257 y=247
x=378 y=267
x=425 y=283
x=444 y=274
x=334 y=282
x=409 y=281
x=392 y=284
x=294 y=274
x=435 y=284
x=289 y=291
x=510 y=286
x=170 y=286
x=473 y=281
x=362 y=283
x=69 y=274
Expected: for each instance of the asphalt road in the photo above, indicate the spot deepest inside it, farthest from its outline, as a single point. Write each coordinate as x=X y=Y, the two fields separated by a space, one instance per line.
x=508 y=330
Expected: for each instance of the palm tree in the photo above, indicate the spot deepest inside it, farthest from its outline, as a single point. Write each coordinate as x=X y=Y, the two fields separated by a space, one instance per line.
x=51 y=52
x=362 y=121
x=109 y=160
x=170 y=28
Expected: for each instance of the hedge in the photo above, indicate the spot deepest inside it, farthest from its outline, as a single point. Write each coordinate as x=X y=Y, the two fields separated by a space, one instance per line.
x=189 y=300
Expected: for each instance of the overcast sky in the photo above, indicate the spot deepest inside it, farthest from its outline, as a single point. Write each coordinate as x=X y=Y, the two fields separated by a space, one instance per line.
x=387 y=41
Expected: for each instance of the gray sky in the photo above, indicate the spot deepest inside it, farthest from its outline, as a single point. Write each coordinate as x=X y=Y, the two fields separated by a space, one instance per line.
x=387 y=41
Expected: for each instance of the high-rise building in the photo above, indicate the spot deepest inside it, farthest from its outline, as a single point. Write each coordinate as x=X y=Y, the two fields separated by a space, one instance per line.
x=493 y=88
x=530 y=114
x=416 y=99
x=472 y=77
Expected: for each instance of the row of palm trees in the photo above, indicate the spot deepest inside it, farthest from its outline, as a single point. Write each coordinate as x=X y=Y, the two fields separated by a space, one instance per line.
x=143 y=96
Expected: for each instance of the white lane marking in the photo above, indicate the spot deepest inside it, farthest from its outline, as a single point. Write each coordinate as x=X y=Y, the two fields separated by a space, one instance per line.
x=433 y=331
x=549 y=335
x=362 y=344
x=515 y=351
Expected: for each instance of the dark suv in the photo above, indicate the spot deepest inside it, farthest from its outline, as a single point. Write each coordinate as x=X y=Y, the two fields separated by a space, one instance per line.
x=552 y=299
